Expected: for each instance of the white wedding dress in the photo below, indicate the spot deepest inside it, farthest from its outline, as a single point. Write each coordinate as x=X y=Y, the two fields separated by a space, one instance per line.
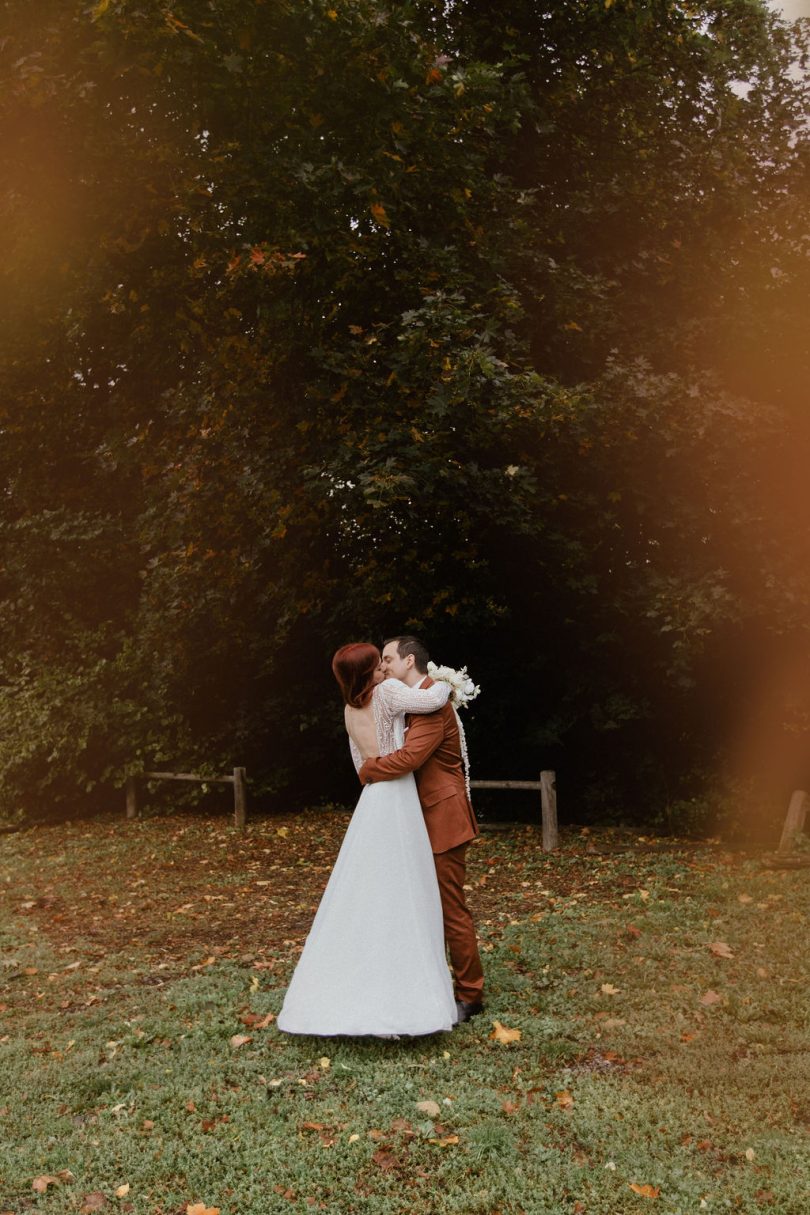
x=374 y=961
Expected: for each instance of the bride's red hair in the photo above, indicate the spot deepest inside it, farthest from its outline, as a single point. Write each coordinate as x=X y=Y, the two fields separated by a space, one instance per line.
x=353 y=667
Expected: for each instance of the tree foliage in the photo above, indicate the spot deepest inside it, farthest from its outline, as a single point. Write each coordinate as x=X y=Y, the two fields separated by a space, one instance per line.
x=325 y=322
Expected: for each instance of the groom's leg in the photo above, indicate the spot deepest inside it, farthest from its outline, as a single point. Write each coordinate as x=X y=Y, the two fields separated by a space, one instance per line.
x=459 y=931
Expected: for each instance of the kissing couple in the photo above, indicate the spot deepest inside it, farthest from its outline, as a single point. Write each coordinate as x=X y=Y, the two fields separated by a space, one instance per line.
x=374 y=961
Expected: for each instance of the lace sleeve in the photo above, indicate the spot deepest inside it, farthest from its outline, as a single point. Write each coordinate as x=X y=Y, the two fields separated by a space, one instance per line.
x=399 y=698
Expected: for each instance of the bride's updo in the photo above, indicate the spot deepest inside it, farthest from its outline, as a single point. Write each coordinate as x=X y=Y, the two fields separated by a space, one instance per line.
x=353 y=667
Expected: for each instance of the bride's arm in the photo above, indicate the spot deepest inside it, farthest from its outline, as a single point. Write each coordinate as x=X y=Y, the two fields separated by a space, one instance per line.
x=399 y=698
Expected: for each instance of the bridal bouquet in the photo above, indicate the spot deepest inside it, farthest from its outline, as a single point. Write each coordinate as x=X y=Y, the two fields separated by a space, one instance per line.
x=464 y=690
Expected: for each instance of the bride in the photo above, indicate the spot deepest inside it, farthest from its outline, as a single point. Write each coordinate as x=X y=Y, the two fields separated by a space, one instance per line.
x=374 y=961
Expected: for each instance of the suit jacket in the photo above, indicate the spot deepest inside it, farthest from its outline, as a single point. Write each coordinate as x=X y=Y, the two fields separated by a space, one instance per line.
x=432 y=751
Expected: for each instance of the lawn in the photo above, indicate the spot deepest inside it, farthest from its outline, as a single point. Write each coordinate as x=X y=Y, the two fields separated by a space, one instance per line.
x=657 y=990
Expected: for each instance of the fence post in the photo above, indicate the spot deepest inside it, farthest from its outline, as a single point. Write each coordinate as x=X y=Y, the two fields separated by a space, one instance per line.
x=548 y=802
x=239 y=798
x=132 y=798
x=794 y=821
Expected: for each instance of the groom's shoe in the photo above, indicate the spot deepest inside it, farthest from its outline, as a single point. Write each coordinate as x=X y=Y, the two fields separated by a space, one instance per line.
x=465 y=1010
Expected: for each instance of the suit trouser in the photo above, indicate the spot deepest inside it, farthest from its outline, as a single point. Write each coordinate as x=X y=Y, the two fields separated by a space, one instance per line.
x=459 y=931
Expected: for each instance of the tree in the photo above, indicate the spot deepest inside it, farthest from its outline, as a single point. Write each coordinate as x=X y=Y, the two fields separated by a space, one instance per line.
x=332 y=321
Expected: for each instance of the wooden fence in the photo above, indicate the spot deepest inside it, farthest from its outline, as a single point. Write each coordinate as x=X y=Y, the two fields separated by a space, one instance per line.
x=238 y=780
x=546 y=786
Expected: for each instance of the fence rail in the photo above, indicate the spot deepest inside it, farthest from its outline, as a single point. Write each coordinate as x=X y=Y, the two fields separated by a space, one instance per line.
x=548 y=802
x=238 y=780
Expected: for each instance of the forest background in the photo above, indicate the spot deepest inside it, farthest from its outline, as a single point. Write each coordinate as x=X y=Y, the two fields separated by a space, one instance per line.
x=326 y=321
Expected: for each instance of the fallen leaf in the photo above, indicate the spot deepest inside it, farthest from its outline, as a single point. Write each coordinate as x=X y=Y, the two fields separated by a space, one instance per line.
x=608 y=989
x=504 y=1035
x=324 y=1063
x=744 y=898
x=353 y=1138
x=199 y=1208
x=40 y=1184
x=94 y=1201
x=431 y=1108
x=240 y=1040
x=202 y=965
x=721 y=950
x=749 y=1153
x=710 y=997
x=283 y=831
x=384 y=1160
x=646 y=1191
x=564 y=1099
x=380 y=214
x=448 y=1141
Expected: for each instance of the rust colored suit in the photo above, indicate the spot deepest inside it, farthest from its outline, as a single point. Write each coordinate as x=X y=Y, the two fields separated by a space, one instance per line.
x=432 y=751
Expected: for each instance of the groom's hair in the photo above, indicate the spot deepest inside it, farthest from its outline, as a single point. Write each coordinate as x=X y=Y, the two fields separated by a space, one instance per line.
x=408 y=644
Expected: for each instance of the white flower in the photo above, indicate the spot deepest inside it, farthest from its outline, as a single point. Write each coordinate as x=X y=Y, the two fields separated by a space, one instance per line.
x=463 y=688
x=463 y=691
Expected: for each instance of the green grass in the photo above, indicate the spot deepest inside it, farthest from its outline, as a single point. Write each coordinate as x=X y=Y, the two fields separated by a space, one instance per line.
x=121 y=1069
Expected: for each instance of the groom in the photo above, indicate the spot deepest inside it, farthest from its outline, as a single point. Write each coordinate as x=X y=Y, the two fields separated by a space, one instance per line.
x=432 y=751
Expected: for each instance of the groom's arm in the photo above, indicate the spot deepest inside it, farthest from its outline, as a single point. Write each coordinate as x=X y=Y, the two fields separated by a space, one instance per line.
x=424 y=736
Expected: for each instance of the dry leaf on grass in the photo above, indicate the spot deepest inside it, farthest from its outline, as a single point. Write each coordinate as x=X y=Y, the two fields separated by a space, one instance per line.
x=448 y=1141
x=564 y=1099
x=504 y=1035
x=240 y=1040
x=607 y=989
x=199 y=1208
x=40 y=1184
x=431 y=1108
x=122 y=1190
x=709 y=998
x=646 y=1191
x=721 y=950
x=94 y=1201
